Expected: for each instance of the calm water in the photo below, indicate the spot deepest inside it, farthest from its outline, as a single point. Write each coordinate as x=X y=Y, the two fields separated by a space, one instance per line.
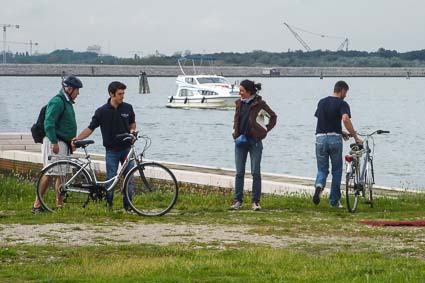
x=204 y=136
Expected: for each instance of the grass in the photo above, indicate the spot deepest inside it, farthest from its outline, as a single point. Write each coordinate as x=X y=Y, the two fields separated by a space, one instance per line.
x=359 y=253
x=144 y=263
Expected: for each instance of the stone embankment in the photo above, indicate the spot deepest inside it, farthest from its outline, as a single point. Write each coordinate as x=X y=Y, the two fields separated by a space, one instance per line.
x=228 y=71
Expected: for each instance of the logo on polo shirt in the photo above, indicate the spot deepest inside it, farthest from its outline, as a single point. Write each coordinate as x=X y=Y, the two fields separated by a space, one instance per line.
x=124 y=115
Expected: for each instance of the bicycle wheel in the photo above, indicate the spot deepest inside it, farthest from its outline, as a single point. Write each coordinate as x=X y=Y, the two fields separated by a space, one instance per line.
x=368 y=183
x=352 y=193
x=58 y=184
x=155 y=189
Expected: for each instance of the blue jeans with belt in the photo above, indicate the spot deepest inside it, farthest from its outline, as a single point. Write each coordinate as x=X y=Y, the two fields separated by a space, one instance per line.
x=329 y=147
x=113 y=158
x=255 y=150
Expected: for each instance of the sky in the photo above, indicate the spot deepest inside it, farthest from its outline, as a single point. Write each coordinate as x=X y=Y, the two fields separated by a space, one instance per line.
x=125 y=27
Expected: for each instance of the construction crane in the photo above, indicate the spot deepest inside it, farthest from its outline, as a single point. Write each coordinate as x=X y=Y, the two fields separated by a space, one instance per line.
x=307 y=47
x=303 y=43
x=5 y=26
x=343 y=44
x=30 y=44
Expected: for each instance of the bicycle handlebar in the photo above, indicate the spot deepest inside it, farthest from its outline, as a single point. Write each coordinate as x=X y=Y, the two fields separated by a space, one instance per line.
x=133 y=137
x=378 y=132
x=128 y=136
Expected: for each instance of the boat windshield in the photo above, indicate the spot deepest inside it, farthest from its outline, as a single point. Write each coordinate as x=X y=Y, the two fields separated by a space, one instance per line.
x=212 y=80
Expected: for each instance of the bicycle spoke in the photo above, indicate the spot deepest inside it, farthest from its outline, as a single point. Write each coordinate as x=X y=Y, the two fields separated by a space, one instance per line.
x=55 y=185
x=352 y=192
x=153 y=192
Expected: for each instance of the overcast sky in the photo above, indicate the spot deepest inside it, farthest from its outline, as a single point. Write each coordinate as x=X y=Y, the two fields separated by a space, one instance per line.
x=122 y=27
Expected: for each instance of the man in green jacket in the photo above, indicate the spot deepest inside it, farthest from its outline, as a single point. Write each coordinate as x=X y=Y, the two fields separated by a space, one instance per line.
x=60 y=127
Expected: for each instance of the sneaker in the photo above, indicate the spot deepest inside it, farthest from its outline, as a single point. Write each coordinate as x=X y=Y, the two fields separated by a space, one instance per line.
x=236 y=205
x=256 y=206
x=36 y=210
x=129 y=211
x=316 y=198
x=337 y=205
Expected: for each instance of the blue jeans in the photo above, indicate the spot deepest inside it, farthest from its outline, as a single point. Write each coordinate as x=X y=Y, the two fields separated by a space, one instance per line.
x=113 y=158
x=329 y=147
x=255 y=150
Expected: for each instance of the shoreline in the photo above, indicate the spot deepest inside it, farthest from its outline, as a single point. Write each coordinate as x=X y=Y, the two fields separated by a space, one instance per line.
x=18 y=153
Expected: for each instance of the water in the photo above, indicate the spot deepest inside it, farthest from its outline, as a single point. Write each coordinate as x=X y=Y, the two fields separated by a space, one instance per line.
x=204 y=136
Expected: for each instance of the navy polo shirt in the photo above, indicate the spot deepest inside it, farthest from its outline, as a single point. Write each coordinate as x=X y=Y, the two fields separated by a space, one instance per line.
x=112 y=122
x=329 y=114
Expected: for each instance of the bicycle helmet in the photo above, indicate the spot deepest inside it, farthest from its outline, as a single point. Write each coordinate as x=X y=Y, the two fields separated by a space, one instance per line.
x=72 y=81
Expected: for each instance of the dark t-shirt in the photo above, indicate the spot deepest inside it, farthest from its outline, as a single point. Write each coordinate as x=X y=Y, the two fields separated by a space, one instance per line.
x=329 y=115
x=113 y=122
x=244 y=119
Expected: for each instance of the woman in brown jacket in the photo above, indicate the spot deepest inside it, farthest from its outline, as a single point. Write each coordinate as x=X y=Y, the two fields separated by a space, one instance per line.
x=249 y=130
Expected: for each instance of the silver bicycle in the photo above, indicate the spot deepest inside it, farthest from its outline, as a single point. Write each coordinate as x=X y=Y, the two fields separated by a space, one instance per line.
x=360 y=175
x=150 y=188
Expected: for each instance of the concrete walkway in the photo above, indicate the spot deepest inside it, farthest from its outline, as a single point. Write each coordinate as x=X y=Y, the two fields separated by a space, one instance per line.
x=18 y=147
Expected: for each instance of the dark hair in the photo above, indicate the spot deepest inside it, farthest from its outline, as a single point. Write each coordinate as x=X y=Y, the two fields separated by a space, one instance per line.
x=114 y=86
x=251 y=86
x=339 y=86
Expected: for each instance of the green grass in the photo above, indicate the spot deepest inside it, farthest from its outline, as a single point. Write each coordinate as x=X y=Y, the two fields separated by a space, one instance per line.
x=144 y=263
x=199 y=207
x=358 y=260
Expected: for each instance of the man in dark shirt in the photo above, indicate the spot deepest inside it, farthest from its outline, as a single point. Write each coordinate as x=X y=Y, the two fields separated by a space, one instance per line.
x=114 y=118
x=329 y=135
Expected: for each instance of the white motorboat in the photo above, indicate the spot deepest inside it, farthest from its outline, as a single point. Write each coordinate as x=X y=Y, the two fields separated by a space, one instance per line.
x=203 y=91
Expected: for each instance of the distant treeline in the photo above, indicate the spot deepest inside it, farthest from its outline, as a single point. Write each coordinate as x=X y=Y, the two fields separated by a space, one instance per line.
x=380 y=58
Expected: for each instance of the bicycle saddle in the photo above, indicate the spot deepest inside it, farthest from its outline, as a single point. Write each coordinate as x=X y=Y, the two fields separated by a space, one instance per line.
x=83 y=143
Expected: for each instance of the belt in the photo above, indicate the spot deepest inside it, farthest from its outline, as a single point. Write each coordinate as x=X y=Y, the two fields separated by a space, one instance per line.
x=327 y=134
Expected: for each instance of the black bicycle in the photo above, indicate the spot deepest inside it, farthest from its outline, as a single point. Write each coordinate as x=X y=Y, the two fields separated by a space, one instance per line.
x=150 y=188
x=360 y=176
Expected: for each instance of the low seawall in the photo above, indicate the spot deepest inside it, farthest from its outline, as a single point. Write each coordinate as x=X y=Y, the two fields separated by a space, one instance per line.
x=19 y=154
x=228 y=71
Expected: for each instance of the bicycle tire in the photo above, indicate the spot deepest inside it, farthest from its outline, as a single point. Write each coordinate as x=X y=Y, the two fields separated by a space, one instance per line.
x=368 y=183
x=155 y=189
x=48 y=191
x=351 y=194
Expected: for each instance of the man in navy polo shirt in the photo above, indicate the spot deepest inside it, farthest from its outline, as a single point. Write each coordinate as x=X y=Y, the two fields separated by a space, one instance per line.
x=329 y=135
x=114 y=118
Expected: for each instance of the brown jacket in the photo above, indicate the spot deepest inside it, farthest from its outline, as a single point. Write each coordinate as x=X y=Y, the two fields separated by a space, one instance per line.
x=256 y=111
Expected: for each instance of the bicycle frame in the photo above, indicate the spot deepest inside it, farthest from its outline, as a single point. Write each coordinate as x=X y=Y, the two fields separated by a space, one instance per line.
x=130 y=156
x=87 y=166
x=364 y=158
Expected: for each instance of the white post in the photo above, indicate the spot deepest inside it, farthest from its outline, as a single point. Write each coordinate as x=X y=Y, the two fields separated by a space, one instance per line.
x=4 y=44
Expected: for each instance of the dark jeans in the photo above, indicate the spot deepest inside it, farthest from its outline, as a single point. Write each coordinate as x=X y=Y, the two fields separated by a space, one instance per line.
x=255 y=150
x=329 y=147
x=113 y=158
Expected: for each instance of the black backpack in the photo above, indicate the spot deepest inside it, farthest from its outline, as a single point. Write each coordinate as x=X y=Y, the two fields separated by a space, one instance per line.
x=37 y=130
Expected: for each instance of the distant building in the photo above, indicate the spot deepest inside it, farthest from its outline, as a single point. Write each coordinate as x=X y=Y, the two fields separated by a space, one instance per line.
x=157 y=54
x=95 y=49
x=272 y=72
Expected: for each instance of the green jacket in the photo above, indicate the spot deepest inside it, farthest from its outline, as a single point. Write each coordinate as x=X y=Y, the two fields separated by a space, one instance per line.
x=60 y=124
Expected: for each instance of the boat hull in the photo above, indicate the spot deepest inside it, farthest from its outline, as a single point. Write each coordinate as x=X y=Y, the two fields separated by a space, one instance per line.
x=204 y=102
